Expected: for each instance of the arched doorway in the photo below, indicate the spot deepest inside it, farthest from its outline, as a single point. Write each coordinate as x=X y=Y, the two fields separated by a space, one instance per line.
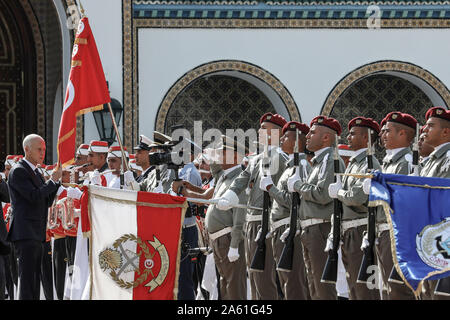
x=17 y=78
x=224 y=94
x=377 y=89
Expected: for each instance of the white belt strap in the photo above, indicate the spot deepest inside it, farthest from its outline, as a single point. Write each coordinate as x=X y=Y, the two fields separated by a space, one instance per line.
x=251 y=217
x=382 y=227
x=218 y=234
x=310 y=222
x=345 y=225
x=275 y=225
x=189 y=225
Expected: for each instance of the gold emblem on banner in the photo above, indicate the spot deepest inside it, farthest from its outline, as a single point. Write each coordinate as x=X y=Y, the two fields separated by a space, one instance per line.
x=433 y=244
x=119 y=260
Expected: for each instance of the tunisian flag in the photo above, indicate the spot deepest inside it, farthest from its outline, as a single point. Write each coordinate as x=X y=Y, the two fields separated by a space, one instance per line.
x=136 y=238
x=86 y=90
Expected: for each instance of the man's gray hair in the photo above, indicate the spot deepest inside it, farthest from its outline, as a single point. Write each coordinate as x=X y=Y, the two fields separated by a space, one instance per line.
x=29 y=140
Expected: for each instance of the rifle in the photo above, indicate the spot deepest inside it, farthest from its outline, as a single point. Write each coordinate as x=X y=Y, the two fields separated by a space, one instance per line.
x=287 y=255
x=394 y=276
x=416 y=152
x=369 y=253
x=259 y=258
x=329 y=274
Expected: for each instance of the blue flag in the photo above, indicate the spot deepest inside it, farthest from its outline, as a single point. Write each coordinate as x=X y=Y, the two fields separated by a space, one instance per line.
x=418 y=212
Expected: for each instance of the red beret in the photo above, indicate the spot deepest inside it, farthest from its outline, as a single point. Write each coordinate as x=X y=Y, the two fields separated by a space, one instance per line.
x=438 y=112
x=402 y=118
x=327 y=122
x=293 y=125
x=274 y=118
x=364 y=122
x=382 y=123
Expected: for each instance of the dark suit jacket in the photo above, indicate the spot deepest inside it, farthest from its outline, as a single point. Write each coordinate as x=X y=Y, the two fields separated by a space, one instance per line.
x=30 y=200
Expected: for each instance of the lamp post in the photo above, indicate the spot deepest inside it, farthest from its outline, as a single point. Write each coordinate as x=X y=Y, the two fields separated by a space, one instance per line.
x=104 y=122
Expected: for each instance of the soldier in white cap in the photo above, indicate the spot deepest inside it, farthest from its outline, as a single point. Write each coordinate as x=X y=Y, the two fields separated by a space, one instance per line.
x=115 y=163
x=142 y=157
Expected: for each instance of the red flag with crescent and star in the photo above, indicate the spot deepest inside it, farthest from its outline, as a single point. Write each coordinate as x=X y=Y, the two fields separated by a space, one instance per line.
x=86 y=90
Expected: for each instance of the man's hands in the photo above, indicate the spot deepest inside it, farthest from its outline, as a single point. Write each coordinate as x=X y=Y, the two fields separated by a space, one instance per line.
x=57 y=173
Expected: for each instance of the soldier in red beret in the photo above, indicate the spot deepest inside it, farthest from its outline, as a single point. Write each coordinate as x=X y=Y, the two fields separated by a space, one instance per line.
x=317 y=205
x=437 y=134
x=425 y=149
x=294 y=284
x=354 y=200
x=263 y=284
x=400 y=132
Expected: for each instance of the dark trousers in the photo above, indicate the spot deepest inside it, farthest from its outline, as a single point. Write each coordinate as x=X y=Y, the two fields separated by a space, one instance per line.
x=11 y=272
x=46 y=270
x=314 y=239
x=59 y=266
x=2 y=276
x=29 y=254
x=351 y=254
x=71 y=244
x=395 y=291
x=185 y=280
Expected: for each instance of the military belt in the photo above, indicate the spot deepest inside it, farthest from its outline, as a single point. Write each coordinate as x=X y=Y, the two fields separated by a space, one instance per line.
x=275 y=225
x=253 y=217
x=345 y=225
x=382 y=227
x=310 y=222
x=220 y=233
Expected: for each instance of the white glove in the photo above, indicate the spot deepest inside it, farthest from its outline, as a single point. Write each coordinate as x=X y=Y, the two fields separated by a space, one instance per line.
x=333 y=188
x=228 y=200
x=74 y=193
x=258 y=235
x=329 y=244
x=265 y=182
x=366 y=185
x=365 y=242
x=292 y=180
x=128 y=177
x=233 y=254
x=95 y=178
x=159 y=188
x=285 y=234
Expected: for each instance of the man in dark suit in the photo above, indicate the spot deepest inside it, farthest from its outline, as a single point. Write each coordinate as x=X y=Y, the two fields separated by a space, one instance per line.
x=30 y=199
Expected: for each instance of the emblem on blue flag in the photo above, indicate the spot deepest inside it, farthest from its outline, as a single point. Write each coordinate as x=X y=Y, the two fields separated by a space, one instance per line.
x=433 y=245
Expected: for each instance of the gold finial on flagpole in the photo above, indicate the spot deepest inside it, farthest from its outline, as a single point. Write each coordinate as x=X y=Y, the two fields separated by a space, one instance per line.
x=81 y=9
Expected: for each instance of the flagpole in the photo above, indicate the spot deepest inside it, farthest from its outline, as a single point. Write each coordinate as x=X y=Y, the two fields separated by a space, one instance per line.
x=118 y=135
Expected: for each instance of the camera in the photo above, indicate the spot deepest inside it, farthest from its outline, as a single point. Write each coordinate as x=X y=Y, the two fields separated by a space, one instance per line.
x=159 y=158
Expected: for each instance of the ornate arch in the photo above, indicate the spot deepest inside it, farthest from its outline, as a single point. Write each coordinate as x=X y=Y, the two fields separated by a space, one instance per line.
x=384 y=66
x=40 y=67
x=219 y=66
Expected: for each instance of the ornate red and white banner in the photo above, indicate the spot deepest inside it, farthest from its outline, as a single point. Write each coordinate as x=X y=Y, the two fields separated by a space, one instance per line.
x=86 y=90
x=136 y=239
